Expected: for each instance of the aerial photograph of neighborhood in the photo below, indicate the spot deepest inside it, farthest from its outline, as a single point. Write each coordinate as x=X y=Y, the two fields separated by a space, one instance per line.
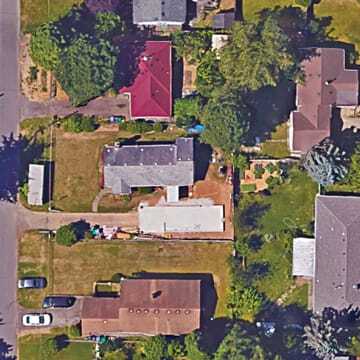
x=179 y=179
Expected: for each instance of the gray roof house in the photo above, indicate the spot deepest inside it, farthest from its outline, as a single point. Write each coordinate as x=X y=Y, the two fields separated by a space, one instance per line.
x=149 y=165
x=223 y=20
x=336 y=277
x=36 y=184
x=159 y=12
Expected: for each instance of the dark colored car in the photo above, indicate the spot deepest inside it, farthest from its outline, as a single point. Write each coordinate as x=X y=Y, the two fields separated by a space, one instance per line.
x=32 y=283
x=58 y=302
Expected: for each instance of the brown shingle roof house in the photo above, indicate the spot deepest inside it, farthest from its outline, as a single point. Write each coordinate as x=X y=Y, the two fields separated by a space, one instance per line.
x=336 y=281
x=327 y=85
x=145 y=307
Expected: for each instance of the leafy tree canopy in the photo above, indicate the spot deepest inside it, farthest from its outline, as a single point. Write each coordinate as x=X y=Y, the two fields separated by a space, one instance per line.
x=86 y=69
x=187 y=111
x=240 y=346
x=353 y=176
x=107 y=22
x=78 y=123
x=192 y=349
x=209 y=80
x=155 y=348
x=45 y=46
x=192 y=45
x=226 y=121
x=257 y=55
x=244 y=302
x=66 y=235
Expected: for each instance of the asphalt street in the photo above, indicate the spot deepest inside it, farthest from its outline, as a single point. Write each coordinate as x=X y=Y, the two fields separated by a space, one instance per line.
x=9 y=120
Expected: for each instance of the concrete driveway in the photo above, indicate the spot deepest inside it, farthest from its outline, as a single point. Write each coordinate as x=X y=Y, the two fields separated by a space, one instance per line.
x=102 y=106
x=60 y=318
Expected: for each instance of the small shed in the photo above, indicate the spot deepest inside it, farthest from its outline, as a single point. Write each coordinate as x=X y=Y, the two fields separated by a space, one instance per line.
x=223 y=20
x=303 y=257
x=218 y=41
x=36 y=184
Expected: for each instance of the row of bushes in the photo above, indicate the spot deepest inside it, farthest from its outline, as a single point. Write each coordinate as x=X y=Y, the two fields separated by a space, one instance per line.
x=141 y=127
x=78 y=123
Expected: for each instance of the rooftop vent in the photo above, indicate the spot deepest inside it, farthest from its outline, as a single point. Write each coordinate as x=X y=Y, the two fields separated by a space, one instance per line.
x=156 y=294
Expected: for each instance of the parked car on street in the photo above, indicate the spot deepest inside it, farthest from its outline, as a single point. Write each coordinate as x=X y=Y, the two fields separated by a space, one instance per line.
x=32 y=283
x=58 y=302
x=34 y=319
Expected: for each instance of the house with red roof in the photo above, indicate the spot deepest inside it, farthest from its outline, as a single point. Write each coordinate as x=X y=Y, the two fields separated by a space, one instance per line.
x=151 y=91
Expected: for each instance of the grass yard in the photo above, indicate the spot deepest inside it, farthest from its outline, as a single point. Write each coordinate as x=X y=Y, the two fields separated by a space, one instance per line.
x=270 y=222
x=34 y=256
x=36 y=12
x=344 y=14
x=277 y=145
x=30 y=348
x=77 y=176
x=299 y=297
x=86 y=263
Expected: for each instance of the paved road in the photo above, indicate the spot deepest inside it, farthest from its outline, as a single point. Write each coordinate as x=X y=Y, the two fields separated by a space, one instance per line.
x=9 y=119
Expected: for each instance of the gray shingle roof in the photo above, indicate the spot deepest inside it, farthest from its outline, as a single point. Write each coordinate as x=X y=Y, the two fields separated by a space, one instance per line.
x=223 y=20
x=337 y=262
x=148 y=165
x=159 y=11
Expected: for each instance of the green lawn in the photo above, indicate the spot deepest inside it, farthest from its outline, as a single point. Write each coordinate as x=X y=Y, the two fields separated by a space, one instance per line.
x=30 y=348
x=344 y=15
x=36 y=12
x=33 y=260
x=299 y=297
x=277 y=146
x=271 y=222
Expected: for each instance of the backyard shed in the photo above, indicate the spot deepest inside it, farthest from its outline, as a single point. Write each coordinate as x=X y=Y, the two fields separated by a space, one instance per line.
x=303 y=257
x=36 y=184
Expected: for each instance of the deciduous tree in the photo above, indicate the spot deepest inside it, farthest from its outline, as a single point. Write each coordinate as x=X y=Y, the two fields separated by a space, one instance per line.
x=86 y=69
x=187 y=111
x=257 y=55
x=155 y=348
x=66 y=235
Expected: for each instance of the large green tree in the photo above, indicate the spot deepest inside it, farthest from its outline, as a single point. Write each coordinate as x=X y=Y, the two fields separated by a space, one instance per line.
x=209 y=79
x=353 y=176
x=155 y=348
x=86 y=69
x=226 y=121
x=107 y=23
x=187 y=111
x=192 y=45
x=244 y=302
x=192 y=349
x=45 y=46
x=237 y=345
x=257 y=55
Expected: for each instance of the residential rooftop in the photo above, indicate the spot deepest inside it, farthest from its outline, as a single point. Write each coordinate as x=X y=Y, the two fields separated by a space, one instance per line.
x=145 y=307
x=327 y=84
x=148 y=165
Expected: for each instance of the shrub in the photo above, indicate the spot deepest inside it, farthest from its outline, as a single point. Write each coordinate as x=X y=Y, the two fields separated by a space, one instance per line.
x=272 y=181
x=271 y=168
x=187 y=111
x=74 y=331
x=66 y=235
x=49 y=348
x=136 y=127
x=145 y=190
x=248 y=187
x=259 y=172
x=158 y=127
x=78 y=123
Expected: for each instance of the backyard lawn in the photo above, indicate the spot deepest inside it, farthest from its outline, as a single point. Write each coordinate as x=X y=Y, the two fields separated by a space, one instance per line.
x=88 y=262
x=344 y=14
x=270 y=222
x=277 y=146
x=36 y=12
x=30 y=348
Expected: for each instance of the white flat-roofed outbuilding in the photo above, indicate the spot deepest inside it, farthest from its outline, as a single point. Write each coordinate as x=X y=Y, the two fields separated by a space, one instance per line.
x=36 y=184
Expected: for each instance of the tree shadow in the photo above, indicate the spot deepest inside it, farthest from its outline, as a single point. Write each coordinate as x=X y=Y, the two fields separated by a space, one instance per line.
x=250 y=216
x=6 y=350
x=127 y=65
x=272 y=107
x=202 y=157
x=62 y=341
x=255 y=242
x=80 y=227
x=15 y=156
x=96 y=6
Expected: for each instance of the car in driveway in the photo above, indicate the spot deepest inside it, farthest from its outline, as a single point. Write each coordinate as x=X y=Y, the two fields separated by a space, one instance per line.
x=35 y=319
x=58 y=302
x=32 y=282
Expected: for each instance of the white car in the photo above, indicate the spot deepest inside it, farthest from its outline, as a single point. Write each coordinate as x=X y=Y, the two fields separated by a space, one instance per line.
x=36 y=319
